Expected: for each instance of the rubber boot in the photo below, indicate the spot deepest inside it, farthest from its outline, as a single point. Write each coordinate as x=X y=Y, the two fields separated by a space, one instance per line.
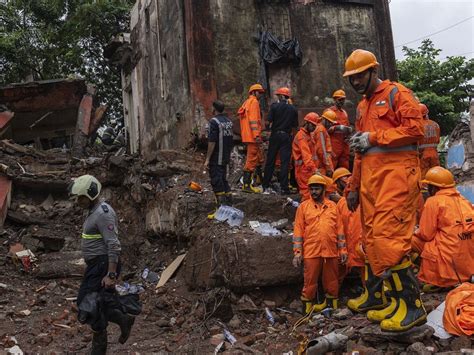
x=373 y=296
x=124 y=321
x=99 y=343
x=377 y=316
x=258 y=176
x=219 y=200
x=318 y=307
x=410 y=309
x=228 y=200
x=247 y=187
x=307 y=305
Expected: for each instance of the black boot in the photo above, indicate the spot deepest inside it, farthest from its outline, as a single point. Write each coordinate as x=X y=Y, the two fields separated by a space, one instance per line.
x=247 y=187
x=125 y=322
x=373 y=296
x=258 y=176
x=99 y=343
x=410 y=310
x=228 y=200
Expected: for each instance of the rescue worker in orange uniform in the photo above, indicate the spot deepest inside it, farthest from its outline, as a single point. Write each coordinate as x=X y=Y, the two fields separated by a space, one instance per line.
x=428 y=147
x=323 y=143
x=445 y=238
x=386 y=179
x=340 y=131
x=304 y=154
x=315 y=245
x=349 y=227
x=250 y=131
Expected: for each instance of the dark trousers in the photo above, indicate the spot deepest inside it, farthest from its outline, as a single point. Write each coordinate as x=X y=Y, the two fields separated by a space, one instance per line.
x=218 y=175
x=279 y=142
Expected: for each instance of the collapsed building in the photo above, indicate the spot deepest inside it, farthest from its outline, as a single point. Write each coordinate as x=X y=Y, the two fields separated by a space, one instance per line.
x=180 y=56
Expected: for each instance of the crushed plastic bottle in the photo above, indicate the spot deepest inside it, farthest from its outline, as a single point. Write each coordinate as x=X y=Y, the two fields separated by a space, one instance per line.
x=145 y=273
x=129 y=289
x=290 y=201
x=230 y=338
x=231 y=215
x=269 y=316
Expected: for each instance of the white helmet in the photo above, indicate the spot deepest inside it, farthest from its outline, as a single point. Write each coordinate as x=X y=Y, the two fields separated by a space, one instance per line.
x=86 y=185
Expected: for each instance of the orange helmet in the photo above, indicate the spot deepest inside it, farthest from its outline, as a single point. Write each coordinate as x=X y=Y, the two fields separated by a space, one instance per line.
x=193 y=185
x=339 y=94
x=313 y=118
x=256 y=87
x=339 y=173
x=283 y=91
x=359 y=61
x=330 y=115
x=317 y=179
x=424 y=110
x=439 y=176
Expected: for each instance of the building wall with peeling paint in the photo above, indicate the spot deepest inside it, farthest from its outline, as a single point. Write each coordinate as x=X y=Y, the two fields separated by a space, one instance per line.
x=188 y=53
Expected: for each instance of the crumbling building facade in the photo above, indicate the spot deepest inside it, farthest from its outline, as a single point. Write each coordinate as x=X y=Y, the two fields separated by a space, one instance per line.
x=181 y=55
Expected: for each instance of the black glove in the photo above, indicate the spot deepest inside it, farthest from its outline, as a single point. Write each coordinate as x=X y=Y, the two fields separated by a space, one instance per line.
x=353 y=200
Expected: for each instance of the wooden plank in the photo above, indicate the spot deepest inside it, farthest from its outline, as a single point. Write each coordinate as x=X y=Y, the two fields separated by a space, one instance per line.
x=169 y=271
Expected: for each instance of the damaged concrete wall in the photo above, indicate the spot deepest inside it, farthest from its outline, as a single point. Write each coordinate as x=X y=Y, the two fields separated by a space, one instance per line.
x=187 y=53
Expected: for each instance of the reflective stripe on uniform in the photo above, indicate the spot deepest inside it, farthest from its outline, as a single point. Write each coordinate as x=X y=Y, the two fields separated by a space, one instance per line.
x=405 y=148
x=298 y=239
x=253 y=122
x=91 y=236
x=341 y=237
x=433 y=145
x=298 y=162
x=323 y=143
x=315 y=157
x=391 y=97
x=254 y=128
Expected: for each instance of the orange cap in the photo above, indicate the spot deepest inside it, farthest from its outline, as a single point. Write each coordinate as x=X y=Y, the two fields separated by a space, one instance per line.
x=313 y=118
x=439 y=176
x=256 y=87
x=283 y=91
x=339 y=94
x=330 y=115
x=360 y=60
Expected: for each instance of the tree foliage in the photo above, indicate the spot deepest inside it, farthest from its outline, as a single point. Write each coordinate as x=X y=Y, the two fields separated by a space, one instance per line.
x=445 y=86
x=50 y=39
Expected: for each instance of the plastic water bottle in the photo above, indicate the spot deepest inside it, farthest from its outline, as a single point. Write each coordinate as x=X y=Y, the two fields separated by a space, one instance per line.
x=269 y=316
x=145 y=273
x=292 y=202
x=230 y=338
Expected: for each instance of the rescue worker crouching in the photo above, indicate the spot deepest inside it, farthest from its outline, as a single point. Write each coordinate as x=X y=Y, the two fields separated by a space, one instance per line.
x=101 y=251
x=444 y=239
x=315 y=245
x=389 y=126
x=250 y=131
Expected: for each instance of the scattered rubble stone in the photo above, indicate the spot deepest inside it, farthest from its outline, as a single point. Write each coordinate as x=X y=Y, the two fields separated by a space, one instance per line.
x=234 y=322
x=342 y=313
x=418 y=348
x=461 y=342
x=372 y=334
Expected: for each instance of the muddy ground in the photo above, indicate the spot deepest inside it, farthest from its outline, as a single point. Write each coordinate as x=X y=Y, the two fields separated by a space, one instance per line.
x=159 y=220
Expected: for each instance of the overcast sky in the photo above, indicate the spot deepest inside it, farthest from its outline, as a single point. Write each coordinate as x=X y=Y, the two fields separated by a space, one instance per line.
x=412 y=19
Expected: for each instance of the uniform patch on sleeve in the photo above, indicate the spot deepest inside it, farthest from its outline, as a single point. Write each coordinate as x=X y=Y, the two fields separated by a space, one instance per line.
x=111 y=227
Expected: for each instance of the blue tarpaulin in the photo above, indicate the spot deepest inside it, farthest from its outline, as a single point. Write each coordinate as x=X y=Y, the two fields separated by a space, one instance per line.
x=456 y=156
x=467 y=190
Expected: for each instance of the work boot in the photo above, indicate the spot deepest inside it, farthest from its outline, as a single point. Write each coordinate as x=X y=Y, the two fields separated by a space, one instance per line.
x=332 y=301
x=318 y=307
x=247 y=187
x=307 y=305
x=377 y=316
x=219 y=200
x=228 y=200
x=124 y=321
x=99 y=343
x=410 y=310
x=258 y=176
x=373 y=296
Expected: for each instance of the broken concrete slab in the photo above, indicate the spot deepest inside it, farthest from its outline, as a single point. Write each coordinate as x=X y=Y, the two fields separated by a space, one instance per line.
x=58 y=265
x=374 y=335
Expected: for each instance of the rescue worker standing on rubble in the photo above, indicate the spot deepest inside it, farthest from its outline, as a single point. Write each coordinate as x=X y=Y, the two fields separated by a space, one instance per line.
x=101 y=251
x=282 y=119
x=323 y=143
x=250 y=131
x=386 y=182
x=220 y=141
x=428 y=147
x=315 y=245
x=304 y=154
x=340 y=131
x=444 y=239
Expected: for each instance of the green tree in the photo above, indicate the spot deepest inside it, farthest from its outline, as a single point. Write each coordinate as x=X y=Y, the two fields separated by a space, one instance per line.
x=445 y=86
x=50 y=39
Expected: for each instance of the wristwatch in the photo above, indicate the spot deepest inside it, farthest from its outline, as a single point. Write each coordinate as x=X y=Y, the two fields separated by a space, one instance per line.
x=112 y=275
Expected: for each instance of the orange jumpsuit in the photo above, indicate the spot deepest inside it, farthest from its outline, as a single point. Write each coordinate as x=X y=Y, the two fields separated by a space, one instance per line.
x=323 y=149
x=303 y=152
x=428 y=152
x=458 y=317
x=250 y=129
x=315 y=237
x=340 y=148
x=446 y=246
x=388 y=173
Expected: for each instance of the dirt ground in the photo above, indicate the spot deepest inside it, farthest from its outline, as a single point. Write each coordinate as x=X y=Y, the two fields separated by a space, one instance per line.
x=175 y=319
